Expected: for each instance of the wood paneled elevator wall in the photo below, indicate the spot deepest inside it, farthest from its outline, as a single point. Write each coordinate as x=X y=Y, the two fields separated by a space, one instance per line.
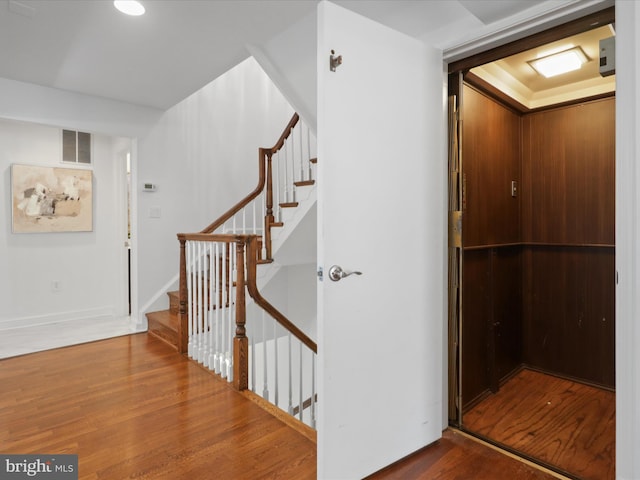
x=538 y=281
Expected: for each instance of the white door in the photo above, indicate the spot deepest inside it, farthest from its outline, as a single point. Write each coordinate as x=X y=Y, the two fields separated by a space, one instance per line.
x=381 y=207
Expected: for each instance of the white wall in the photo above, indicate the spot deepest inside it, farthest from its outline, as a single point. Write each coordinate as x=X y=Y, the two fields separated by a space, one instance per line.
x=49 y=106
x=292 y=290
x=203 y=156
x=289 y=59
x=89 y=266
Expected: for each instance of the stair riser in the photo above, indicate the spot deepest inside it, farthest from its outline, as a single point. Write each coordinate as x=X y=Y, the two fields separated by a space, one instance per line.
x=165 y=334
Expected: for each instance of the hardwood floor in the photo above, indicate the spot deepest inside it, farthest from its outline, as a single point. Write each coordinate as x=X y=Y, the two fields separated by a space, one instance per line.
x=458 y=457
x=563 y=423
x=131 y=407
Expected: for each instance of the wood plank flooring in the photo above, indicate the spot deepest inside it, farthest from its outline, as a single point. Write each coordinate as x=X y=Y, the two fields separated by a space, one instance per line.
x=457 y=457
x=131 y=407
x=563 y=423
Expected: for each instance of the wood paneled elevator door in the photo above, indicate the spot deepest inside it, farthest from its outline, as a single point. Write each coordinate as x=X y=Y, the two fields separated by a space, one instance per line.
x=491 y=237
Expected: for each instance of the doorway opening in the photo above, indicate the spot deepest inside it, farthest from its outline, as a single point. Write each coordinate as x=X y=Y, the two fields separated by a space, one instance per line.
x=532 y=251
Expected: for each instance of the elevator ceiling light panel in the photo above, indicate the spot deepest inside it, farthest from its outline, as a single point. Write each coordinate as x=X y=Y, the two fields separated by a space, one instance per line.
x=559 y=63
x=129 y=7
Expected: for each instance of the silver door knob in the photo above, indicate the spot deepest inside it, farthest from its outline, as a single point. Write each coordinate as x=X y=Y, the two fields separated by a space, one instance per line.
x=336 y=273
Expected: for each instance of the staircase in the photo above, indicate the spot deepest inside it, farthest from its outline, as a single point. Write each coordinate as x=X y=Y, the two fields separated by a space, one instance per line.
x=268 y=353
x=164 y=324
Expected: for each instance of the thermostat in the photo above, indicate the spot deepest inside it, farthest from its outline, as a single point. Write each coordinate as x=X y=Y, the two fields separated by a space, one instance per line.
x=149 y=187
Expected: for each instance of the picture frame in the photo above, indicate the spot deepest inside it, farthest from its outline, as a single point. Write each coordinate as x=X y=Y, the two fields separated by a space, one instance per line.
x=51 y=199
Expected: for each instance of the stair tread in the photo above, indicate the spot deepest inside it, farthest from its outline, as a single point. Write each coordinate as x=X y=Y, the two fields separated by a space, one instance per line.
x=277 y=224
x=289 y=204
x=263 y=261
x=304 y=183
x=314 y=160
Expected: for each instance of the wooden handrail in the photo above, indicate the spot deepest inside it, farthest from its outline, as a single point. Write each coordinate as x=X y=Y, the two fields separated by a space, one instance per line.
x=252 y=287
x=214 y=237
x=264 y=158
x=247 y=259
x=248 y=251
x=285 y=133
x=246 y=200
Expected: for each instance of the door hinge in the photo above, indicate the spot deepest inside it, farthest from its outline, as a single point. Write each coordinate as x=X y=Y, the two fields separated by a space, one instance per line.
x=455 y=229
x=334 y=61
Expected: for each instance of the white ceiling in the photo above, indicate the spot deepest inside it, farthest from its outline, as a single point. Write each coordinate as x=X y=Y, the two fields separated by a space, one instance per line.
x=179 y=46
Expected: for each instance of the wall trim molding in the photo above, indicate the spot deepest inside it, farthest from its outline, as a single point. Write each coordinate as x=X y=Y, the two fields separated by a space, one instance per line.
x=528 y=23
x=89 y=314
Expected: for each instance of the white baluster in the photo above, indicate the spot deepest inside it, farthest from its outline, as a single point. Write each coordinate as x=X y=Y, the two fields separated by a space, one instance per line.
x=313 y=389
x=253 y=360
x=290 y=407
x=206 y=301
x=199 y=299
x=196 y=304
x=299 y=127
x=210 y=292
x=275 y=355
x=309 y=153
x=231 y=316
x=216 y=362
x=189 y=302
x=194 y=298
x=265 y=387
x=301 y=407
x=286 y=173
x=293 y=166
x=244 y=220
x=223 y=291
x=277 y=200
x=255 y=216
x=263 y=252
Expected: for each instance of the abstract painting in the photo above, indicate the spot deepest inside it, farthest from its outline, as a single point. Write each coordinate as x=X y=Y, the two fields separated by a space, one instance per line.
x=50 y=199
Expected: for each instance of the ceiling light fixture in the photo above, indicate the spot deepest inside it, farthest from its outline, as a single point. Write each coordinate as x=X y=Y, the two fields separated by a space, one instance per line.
x=129 y=7
x=559 y=63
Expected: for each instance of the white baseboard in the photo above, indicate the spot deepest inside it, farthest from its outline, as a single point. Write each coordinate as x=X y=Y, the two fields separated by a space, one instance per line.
x=56 y=317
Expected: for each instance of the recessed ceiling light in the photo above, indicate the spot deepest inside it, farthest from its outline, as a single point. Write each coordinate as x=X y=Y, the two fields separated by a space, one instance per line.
x=559 y=63
x=130 y=7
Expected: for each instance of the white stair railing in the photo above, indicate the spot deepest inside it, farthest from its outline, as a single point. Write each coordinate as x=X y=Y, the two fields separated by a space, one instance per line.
x=282 y=368
x=211 y=293
x=283 y=168
x=293 y=165
x=280 y=358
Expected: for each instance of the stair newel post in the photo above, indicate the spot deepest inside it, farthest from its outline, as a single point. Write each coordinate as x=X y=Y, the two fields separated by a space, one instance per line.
x=269 y=219
x=240 y=341
x=183 y=329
